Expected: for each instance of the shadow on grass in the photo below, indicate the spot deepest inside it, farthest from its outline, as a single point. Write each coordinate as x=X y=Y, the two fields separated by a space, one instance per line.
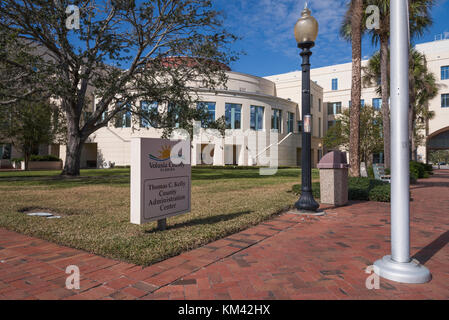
x=215 y=174
x=122 y=177
x=61 y=181
x=202 y=221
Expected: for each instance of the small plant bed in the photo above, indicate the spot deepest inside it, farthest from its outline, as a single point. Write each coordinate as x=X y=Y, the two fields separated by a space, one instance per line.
x=358 y=189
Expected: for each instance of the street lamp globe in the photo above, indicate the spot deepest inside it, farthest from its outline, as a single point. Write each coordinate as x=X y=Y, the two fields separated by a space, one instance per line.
x=306 y=28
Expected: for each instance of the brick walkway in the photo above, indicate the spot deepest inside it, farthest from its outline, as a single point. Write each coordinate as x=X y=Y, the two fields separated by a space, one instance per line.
x=289 y=257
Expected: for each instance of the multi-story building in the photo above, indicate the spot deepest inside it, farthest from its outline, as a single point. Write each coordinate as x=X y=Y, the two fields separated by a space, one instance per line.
x=255 y=107
x=264 y=129
x=336 y=83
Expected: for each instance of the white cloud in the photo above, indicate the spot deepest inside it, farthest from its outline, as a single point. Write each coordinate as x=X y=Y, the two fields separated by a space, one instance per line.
x=272 y=21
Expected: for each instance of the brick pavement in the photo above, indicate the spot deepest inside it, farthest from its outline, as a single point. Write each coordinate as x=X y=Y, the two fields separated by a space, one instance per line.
x=288 y=257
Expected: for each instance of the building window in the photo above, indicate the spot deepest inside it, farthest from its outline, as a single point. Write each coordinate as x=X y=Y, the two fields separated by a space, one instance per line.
x=276 y=119
x=445 y=100
x=5 y=151
x=362 y=103
x=173 y=111
x=311 y=101
x=86 y=116
x=209 y=107
x=319 y=127
x=335 y=84
x=334 y=108
x=331 y=123
x=256 y=121
x=147 y=110
x=377 y=103
x=123 y=117
x=300 y=126
x=233 y=115
x=445 y=73
x=290 y=122
x=319 y=105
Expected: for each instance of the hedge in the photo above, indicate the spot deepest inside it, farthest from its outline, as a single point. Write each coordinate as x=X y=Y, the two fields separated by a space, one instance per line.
x=418 y=170
x=44 y=158
x=358 y=189
x=236 y=167
x=421 y=170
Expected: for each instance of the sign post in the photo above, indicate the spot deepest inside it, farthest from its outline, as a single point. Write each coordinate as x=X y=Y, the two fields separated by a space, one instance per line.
x=160 y=180
x=398 y=266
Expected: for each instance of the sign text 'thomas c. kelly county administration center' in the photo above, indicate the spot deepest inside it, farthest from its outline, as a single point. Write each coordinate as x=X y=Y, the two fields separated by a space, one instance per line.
x=160 y=179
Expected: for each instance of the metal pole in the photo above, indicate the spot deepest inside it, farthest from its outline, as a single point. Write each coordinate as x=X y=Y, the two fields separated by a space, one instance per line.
x=400 y=173
x=399 y=267
x=306 y=201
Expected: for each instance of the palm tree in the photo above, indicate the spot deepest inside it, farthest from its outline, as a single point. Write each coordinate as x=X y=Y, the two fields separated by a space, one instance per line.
x=352 y=29
x=420 y=20
x=423 y=88
x=382 y=35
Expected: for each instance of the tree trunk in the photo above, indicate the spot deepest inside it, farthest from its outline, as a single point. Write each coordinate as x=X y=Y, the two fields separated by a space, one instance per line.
x=26 y=159
x=384 y=71
x=74 y=146
x=356 y=88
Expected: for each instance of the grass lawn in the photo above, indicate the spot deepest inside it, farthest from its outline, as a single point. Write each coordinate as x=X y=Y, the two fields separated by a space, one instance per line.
x=95 y=209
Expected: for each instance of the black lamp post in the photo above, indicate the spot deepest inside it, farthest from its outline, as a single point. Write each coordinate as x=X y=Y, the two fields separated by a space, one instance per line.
x=306 y=31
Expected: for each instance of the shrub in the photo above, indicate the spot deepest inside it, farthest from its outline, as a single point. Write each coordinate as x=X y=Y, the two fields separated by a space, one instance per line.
x=358 y=189
x=44 y=158
x=413 y=177
x=428 y=168
x=380 y=193
x=418 y=168
x=16 y=159
x=370 y=172
x=315 y=189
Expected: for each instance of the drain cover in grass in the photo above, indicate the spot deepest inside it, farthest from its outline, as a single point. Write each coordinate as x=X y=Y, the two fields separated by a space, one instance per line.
x=43 y=215
x=40 y=214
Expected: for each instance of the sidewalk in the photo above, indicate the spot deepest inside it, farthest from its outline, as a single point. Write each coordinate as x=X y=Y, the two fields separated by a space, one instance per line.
x=288 y=257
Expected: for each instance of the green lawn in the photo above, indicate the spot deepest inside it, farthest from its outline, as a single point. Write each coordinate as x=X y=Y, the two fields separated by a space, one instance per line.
x=95 y=209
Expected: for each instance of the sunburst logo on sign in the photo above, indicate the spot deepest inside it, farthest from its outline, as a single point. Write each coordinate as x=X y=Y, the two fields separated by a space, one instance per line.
x=164 y=154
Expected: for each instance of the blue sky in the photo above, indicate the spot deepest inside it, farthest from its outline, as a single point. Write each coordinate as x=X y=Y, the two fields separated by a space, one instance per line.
x=267 y=30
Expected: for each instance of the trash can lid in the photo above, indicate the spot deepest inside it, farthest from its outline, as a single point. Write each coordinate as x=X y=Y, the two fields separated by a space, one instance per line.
x=333 y=160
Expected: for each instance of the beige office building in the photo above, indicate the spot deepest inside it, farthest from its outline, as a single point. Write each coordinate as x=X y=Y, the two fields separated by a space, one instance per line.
x=256 y=107
x=264 y=129
x=336 y=83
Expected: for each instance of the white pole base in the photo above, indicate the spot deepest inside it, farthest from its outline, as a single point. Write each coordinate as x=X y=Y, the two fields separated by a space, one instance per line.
x=410 y=272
